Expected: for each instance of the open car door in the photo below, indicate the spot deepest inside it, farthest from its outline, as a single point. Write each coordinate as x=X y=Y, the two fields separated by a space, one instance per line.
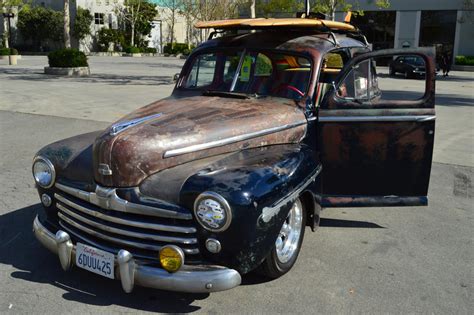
x=376 y=143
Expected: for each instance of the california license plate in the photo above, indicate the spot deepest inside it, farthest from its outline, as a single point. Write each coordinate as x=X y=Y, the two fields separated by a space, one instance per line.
x=95 y=260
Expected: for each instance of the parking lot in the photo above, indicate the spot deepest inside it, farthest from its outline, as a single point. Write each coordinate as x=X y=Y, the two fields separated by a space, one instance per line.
x=363 y=260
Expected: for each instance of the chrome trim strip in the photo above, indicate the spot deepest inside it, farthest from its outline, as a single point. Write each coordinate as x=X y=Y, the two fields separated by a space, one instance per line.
x=417 y=118
x=269 y=212
x=124 y=125
x=145 y=236
x=114 y=239
x=107 y=198
x=193 y=279
x=138 y=224
x=225 y=141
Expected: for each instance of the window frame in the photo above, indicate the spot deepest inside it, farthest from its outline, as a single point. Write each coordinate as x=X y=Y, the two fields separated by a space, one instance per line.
x=180 y=84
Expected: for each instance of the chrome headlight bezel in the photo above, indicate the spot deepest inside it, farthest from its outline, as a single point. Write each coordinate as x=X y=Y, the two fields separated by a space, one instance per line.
x=52 y=170
x=224 y=205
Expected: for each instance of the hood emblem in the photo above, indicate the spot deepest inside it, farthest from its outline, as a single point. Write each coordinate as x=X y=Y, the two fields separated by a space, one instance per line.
x=123 y=125
x=104 y=169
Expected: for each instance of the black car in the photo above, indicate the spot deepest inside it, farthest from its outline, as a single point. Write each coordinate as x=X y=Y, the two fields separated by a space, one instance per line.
x=409 y=66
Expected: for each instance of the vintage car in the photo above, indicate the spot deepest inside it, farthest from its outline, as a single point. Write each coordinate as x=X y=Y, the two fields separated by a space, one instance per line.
x=409 y=66
x=221 y=178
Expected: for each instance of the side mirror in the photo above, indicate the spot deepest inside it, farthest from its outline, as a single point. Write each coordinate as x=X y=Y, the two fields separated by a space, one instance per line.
x=176 y=77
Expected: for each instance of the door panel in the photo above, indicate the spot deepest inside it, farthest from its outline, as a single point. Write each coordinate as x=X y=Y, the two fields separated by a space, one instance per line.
x=377 y=151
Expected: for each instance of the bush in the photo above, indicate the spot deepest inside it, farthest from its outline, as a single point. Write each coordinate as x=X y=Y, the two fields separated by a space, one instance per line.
x=107 y=35
x=177 y=48
x=8 y=51
x=67 y=58
x=148 y=50
x=465 y=60
x=132 y=50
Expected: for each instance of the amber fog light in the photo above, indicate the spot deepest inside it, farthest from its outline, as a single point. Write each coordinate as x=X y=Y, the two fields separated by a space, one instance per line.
x=171 y=258
x=46 y=200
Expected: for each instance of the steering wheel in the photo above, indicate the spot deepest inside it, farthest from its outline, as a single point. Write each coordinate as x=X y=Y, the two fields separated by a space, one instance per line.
x=289 y=87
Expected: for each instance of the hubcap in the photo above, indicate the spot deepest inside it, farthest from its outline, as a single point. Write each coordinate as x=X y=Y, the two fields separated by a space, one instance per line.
x=287 y=241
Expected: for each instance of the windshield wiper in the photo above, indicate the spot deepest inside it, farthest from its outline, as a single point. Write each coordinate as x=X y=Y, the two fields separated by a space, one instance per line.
x=226 y=94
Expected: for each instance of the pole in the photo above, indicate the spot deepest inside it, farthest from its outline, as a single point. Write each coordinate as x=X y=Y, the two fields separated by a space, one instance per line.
x=252 y=9
x=306 y=7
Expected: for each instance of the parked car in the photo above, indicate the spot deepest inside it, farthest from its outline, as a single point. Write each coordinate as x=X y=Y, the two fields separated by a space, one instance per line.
x=410 y=66
x=262 y=131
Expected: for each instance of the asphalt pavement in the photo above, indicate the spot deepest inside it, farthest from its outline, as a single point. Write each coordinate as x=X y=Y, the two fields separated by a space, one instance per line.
x=361 y=260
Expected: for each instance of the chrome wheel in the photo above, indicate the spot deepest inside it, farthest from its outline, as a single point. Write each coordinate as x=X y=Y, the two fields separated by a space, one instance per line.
x=287 y=241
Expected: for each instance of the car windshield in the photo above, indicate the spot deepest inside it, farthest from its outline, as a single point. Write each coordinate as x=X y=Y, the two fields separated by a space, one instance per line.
x=415 y=60
x=251 y=73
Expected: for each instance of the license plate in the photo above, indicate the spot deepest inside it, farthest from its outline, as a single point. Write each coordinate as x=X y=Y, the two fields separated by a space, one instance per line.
x=95 y=260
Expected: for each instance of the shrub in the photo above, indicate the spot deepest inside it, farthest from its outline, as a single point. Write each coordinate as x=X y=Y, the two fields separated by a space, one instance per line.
x=82 y=23
x=465 y=60
x=8 y=51
x=41 y=25
x=132 y=50
x=148 y=50
x=67 y=58
x=107 y=35
x=177 y=48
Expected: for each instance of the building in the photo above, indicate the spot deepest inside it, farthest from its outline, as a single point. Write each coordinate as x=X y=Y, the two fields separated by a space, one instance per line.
x=446 y=24
x=104 y=13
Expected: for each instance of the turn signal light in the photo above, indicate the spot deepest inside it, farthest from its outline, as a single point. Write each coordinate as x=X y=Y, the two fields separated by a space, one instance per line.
x=171 y=258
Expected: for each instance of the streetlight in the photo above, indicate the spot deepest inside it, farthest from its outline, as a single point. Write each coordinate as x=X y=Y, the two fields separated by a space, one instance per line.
x=9 y=15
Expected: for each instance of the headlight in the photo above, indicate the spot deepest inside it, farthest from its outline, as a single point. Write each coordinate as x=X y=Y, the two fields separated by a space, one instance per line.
x=212 y=211
x=43 y=172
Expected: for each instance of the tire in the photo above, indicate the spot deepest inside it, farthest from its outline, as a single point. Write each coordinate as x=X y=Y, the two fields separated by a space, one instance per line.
x=392 y=72
x=283 y=255
x=407 y=75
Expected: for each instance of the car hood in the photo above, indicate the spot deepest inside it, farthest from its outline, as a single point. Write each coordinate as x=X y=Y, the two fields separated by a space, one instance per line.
x=178 y=130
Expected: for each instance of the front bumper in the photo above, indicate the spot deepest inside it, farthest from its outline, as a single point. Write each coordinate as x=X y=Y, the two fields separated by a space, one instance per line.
x=193 y=279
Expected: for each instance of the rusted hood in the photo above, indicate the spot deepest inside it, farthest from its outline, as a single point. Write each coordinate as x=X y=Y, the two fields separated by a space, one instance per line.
x=177 y=130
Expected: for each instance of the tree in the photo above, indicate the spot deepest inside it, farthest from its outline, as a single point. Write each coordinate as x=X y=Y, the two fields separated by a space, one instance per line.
x=330 y=7
x=10 y=6
x=132 y=12
x=66 y=25
x=40 y=25
x=171 y=10
x=82 y=24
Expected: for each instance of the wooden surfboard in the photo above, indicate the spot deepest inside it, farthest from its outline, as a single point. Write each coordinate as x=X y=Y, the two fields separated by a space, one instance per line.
x=269 y=23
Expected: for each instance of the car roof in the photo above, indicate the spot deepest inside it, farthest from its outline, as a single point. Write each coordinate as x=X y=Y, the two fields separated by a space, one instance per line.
x=286 y=39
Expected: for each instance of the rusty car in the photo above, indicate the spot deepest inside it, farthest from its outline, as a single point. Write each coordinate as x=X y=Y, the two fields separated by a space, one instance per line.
x=221 y=178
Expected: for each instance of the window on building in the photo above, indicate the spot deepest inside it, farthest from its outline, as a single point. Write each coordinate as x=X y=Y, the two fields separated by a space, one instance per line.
x=99 y=18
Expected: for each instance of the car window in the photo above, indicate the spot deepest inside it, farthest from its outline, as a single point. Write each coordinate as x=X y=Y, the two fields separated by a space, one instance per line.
x=255 y=72
x=377 y=79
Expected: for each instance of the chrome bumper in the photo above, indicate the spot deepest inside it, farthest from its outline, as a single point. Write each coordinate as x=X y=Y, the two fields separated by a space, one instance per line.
x=130 y=272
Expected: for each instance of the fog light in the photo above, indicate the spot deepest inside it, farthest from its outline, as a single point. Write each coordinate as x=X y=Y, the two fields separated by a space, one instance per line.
x=171 y=258
x=46 y=200
x=213 y=245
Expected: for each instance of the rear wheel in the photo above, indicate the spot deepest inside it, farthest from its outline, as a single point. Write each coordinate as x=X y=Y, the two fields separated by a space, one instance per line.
x=287 y=245
x=392 y=72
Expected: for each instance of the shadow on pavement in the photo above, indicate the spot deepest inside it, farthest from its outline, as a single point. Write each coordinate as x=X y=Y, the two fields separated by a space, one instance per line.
x=111 y=79
x=349 y=224
x=20 y=249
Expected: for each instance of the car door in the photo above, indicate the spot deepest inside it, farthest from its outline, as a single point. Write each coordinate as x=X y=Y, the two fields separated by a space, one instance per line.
x=376 y=145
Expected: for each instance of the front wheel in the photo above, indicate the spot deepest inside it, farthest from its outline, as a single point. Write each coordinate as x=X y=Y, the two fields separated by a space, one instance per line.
x=287 y=245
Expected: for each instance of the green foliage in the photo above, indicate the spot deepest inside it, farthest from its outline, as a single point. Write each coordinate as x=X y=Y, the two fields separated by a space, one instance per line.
x=464 y=60
x=8 y=51
x=67 y=58
x=132 y=50
x=40 y=25
x=275 y=8
x=82 y=23
x=107 y=35
x=148 y=50
x=178 y=48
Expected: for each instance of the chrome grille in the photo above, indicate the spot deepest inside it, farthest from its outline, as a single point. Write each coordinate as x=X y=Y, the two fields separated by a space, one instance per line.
x=105 y=220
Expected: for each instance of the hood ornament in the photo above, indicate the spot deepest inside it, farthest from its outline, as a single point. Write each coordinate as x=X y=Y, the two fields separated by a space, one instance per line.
x=123 y=125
